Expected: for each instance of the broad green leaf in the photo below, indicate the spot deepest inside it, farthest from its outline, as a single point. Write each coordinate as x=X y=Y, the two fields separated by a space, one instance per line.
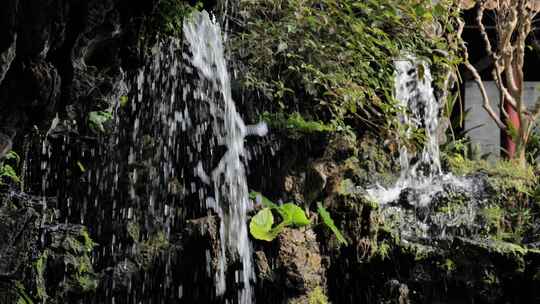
x=260 y=225
x=329 y=222
x=295 y=215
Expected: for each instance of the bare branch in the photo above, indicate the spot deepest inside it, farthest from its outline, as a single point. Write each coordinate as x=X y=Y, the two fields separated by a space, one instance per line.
x=479 y=83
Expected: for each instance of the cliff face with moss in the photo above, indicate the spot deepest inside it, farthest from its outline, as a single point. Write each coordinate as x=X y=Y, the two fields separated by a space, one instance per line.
x=63 y=59
x=321 y=74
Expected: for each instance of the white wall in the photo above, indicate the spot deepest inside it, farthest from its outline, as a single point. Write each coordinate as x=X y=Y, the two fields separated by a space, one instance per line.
x=487 y=135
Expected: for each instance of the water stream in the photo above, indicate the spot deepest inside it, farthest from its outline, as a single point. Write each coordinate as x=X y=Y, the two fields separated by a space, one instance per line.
x=422 y=172
x=231 y=201
x=175 y=152
x=411 y=200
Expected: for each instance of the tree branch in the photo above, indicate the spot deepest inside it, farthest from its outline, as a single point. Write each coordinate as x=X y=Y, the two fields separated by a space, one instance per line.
x=476 y=76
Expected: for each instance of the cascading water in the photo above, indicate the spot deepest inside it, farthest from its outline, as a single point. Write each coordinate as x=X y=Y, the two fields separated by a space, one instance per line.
x=174 y=152
x=421 y=181
x=231 y=201
x=415 y=93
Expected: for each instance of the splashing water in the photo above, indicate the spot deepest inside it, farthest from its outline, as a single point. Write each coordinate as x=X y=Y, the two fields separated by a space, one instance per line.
x=415 y=93
x=231 y=201
x=175 y=150
x=422 y=184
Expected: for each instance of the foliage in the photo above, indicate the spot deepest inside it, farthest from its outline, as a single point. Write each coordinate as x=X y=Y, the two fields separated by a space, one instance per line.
x=262 y=226
x=532 y=149
x=97 y=119
x=171 y=14
x=509 y=215
x=327 y=220
x=332 y=61
x=295 y=124
x=24 y=298
x=7 y=171
x=503 y=175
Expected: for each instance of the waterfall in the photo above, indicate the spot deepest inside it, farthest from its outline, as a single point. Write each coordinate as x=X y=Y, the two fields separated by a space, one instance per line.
x=414 y=92
x=231 y=201
x=173 y=153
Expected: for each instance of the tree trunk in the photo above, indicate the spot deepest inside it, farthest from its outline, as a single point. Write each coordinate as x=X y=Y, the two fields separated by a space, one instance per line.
x=508 y=144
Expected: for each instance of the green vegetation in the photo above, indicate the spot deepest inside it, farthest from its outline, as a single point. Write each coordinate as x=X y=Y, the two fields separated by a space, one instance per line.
x=332 y=61
x=262 y=226
x=513 y=208
x=7 y=171
x=171 y=14
x=24 y=298
x=295 y=124
x=327 y=220
x=317 y=296
x=39 y=266
x=97 y=119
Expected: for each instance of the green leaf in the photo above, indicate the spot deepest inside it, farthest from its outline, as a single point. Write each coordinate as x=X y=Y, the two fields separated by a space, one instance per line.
x=295 y=215
x=329 y=222
x=96 y=119
x=13 y=155
x=9 y=172
x=81 y=166
x=260 y=225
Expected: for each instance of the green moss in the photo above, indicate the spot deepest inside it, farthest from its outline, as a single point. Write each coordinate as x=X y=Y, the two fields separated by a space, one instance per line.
x=87 y=283
x=418 y=251
x=383 y=250
x=317 y=296
x=151 y=248
x=295 y=124
x=88 y=243
x=494 y=217
x=509 y=249
x=448 y=265
x=510 y=215
x=39 y=266
x=24 y=298
x=503 y=174
x=133 y=230
x=454 y=204
x=347 y=188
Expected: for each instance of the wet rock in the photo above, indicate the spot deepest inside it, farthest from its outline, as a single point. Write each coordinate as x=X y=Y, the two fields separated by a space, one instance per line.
x=298 y=253
x=315 y=183
x=395 y=293
x=341 y=146
x=6 y=58
x=264 y=271
x=68 y=269
x=291 y=269
x=18 y=236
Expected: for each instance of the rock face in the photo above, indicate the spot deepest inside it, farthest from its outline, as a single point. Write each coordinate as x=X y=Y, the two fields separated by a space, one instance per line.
x=57 y=53
x=292 y=270
x=59 y=59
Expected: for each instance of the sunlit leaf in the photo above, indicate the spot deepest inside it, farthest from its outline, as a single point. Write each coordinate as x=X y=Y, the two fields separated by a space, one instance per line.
x=329 y=222
x=260 y=225
x=295 y=215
